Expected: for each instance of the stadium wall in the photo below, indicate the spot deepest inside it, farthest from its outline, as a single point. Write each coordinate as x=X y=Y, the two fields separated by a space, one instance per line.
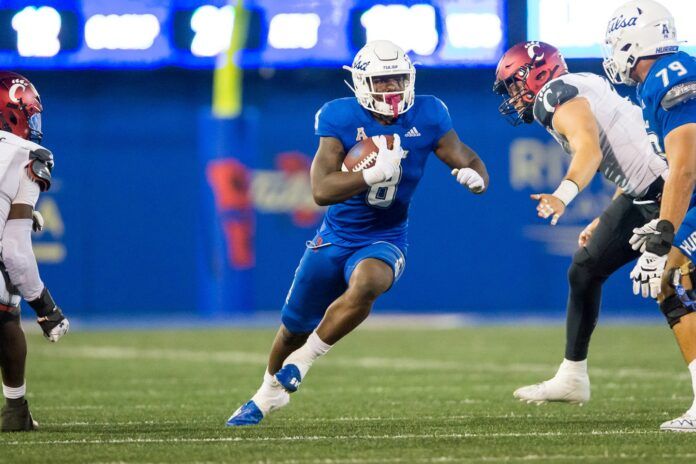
x=124 y=218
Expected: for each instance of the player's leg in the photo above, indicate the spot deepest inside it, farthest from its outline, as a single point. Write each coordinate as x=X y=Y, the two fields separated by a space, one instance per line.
x=678 y=304
x=607 y=250
x=370 y=272
x=15 y=414
x=369 y=280
x=318 y=281
x=284 y=344
x=271 y=395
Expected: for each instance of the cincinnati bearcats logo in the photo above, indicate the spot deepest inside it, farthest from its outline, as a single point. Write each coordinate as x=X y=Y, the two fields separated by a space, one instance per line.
x=17 y=84
x=534 y=51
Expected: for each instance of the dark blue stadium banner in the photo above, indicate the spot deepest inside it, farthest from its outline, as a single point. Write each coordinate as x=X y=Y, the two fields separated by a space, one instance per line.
x=50 y=34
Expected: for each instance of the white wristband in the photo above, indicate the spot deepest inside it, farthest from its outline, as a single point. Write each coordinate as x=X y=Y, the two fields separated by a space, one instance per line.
x=567 y=191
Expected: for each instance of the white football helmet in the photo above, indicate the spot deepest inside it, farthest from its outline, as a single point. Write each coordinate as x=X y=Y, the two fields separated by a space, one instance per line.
x=382 y=58
x=639 y=28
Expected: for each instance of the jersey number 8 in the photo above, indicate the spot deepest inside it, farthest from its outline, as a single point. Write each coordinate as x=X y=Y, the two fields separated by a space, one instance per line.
x=382 y=195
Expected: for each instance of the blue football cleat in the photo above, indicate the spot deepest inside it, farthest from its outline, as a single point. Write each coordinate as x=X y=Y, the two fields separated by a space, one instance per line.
x=289 y=377
x=247 y=414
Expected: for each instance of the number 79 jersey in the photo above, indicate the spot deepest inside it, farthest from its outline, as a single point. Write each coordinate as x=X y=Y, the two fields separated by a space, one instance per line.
x=381 y=212
x=668 y=95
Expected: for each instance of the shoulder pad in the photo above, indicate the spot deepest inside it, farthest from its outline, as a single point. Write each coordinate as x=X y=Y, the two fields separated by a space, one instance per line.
x=41 y=154
x=431 y=106
x=550 y=97
x=678 y=94
x=40 y=167
x=337 y=113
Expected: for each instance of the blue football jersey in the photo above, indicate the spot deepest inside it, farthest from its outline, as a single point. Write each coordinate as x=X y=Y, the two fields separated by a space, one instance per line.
x=381 y=212
x=668 y=96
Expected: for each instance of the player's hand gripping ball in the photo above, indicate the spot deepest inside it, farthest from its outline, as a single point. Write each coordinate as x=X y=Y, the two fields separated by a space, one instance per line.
x=363 y=155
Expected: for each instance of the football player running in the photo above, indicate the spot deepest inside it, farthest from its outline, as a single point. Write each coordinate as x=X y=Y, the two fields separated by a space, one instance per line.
x=25 y=171
x=641 y=48
x=602 y=132
x=359 y=251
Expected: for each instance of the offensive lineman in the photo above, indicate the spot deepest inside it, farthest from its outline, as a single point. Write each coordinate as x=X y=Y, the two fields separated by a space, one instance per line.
x=359 y=250
x=602 y=132
x=25 y=171
x=641 y=48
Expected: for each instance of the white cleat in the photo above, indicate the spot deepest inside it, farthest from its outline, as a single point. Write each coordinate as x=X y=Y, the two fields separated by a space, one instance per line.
x=685 y=423
x=573 y=389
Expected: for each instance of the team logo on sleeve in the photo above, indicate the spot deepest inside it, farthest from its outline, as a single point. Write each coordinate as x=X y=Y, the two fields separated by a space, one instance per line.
x=361 y=134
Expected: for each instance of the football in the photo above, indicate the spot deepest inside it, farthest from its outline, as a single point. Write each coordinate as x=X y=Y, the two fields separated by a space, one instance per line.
x=363 y=155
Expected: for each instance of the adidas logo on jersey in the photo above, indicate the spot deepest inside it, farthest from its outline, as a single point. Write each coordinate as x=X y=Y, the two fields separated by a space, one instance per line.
x=413 y=132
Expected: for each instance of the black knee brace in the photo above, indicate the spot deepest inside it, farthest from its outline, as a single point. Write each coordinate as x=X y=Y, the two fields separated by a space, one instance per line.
x=674 y=309
x=682 y=303
x=584 y=270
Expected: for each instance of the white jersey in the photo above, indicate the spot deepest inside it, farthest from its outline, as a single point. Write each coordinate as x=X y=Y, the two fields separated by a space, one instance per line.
x=628 y=158
x=15 y=184
x=16 y=187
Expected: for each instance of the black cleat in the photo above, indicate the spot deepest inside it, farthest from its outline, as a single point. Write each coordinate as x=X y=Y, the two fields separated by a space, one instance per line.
x=17 y=418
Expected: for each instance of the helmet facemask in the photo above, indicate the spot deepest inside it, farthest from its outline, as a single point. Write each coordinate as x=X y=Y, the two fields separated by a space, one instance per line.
x=35 y=134
x=518 y=100
x=390 y=103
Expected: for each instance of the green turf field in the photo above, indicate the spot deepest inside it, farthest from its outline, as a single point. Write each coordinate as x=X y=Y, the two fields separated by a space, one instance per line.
x=399 y=396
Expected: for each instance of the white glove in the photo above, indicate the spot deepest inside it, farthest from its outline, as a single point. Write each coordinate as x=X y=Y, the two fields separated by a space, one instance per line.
x=37 y=221
x=469 y=179
x=387 y=163
x=642 y=234
x=647 y=274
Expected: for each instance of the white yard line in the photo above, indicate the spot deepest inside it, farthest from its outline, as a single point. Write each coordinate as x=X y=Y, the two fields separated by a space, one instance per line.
x=256 y=359
x=452 y=459
x=300 y=438
x=536 y=417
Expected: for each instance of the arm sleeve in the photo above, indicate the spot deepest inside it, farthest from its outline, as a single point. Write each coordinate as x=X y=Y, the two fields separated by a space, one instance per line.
x=324 y=122
x=18 y=256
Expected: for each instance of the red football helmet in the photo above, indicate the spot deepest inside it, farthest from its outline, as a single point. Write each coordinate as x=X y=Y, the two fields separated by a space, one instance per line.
x=522 y=72
x=20 y=107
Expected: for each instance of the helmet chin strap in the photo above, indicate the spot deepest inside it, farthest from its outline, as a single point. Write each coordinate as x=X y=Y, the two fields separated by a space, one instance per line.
x=394 y=101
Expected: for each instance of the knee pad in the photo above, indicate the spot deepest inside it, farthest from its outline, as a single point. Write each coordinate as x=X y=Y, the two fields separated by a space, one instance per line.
x=674 y=308
x=9 y=295
x=581 y=269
